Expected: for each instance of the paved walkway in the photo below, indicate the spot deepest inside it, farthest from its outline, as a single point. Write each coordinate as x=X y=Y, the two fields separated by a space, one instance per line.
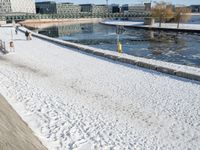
x=14 y=133
x=76 y=101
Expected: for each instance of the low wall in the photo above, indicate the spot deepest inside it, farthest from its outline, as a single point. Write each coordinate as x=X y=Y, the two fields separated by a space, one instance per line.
x=60 y=20
x=132 y=60
x=153 y=28
x=44 y=23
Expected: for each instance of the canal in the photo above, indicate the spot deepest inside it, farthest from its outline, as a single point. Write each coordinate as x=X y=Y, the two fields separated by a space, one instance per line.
x=179 y=48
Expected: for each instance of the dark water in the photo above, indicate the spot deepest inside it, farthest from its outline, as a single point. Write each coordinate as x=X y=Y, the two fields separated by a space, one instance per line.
x=195 y=20
x=180 y=48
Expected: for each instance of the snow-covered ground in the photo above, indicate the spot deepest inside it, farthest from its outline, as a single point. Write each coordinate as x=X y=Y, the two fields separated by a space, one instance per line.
x=155 y=25
x=73 y=100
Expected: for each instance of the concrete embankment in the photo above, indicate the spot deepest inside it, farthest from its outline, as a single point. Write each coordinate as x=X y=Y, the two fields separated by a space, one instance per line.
x=190 y=28
x=14 y=133
x=164 y=67
x=44 y=23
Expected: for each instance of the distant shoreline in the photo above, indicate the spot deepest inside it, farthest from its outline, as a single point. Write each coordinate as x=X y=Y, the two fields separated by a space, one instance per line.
x=195 y=14
x=44 y=23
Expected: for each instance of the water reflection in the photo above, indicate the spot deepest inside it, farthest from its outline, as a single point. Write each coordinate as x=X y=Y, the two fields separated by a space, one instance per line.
x=162 y=43
x=179 y=48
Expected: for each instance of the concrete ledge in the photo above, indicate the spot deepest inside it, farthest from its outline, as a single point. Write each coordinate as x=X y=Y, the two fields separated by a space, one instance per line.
x=128 y=61
x=14 y=132
x=187 y=75
x=98 y=53
x=166 y=70
x=146 y=65
x=132 y=60
x=165 y=29
x=113 y=57
x=153 y=28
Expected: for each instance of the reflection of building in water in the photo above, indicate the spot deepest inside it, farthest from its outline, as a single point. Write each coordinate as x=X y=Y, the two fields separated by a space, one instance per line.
x=92 y=28
x=78 y=28
x=67 y=30
x=51 y=32
x=87 y=28
x=68 y=8
x=60 y=31
x=162 y=43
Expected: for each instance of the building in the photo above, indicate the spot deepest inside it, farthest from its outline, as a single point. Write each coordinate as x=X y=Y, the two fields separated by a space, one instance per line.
x=195 y=8
x=100 y=9
x=124 y=8
x=114 y=8
x=48 y=7
x=147 y=6
x=17 y=6
x=95 y=9
x=65 y=8
x=86 y=8
x=136 y=8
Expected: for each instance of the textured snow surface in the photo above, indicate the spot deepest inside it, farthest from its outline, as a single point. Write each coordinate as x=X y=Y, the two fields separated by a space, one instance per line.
x=72 y=100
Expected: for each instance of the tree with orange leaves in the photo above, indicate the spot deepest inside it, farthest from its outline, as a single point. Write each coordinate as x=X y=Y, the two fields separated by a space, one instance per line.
x=181 y=14
x=162 y=11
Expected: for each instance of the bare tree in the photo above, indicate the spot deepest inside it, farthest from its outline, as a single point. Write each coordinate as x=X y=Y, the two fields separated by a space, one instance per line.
x=162 y=11
x=182 y=14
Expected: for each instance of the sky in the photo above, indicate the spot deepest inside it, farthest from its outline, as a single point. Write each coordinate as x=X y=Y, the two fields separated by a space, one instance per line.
x=185 y=2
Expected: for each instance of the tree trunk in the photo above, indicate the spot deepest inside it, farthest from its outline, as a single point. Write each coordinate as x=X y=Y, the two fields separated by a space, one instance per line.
x=178 y=24
x=160 y=21
x=179 y=19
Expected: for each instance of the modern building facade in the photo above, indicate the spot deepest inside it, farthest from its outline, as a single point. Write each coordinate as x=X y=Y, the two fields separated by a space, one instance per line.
x=195 y=8
x=124 y=8
x=100 y=9
x=147 y=6
x=17 y=6
x=95 y=9
x=66 y=8
x=114 y=8
x=86 y=8
x=136 y=8
x=48 y=7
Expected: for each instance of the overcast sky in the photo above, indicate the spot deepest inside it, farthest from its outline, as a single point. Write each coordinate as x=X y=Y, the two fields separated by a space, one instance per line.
x=185 y=2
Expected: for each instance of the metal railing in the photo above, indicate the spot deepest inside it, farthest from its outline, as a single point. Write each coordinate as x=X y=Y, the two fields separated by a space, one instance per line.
x=76 y=15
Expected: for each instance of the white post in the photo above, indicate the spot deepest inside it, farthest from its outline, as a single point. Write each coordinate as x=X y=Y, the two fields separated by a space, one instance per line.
x=13 y=23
